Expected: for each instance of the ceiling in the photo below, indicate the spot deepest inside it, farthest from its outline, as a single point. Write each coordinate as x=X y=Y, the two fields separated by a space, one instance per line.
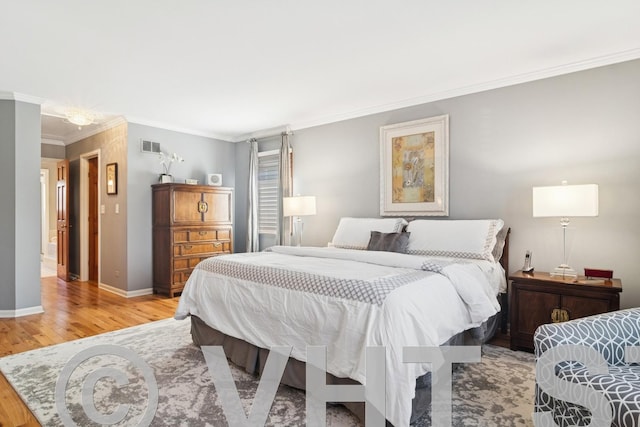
x=244 y=68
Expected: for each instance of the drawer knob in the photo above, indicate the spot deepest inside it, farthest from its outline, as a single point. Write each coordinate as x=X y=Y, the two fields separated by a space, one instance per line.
x=188 y=247
x=202 y=233
x=216 y=244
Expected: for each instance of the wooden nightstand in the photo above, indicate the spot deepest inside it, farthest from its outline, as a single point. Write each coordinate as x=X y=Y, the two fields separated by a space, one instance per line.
x=538 y=298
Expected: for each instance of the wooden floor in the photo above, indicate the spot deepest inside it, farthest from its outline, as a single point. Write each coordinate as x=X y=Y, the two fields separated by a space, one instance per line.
x=71 y=310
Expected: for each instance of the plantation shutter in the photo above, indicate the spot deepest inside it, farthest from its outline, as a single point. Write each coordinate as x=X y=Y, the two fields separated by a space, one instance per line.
x=268 y=171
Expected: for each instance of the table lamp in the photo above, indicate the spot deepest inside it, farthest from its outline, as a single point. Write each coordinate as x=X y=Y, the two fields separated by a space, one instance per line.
x=565 y=201
x=298 y=206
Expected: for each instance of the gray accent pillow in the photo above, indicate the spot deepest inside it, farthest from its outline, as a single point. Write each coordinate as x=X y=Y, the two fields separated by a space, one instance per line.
x=389 y=242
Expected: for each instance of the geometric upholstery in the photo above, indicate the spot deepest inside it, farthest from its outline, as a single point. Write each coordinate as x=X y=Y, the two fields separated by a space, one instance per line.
x=609 y=334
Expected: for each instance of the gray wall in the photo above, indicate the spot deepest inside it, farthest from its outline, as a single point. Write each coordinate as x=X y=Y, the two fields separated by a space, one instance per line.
x=202 y=156
x=582 y=127
x=52 y=151
x=112 y=144
x=7 y=208
x=20 y=207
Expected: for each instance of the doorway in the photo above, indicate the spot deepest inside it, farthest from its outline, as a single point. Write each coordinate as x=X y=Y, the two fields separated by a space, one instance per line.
x=93 y=219
x=90 y=212
x=48 y=246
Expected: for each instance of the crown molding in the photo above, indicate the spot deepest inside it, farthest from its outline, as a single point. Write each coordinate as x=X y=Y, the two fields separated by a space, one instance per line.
x=262 y=134
x=50 y=141
x=171 y=127
x=601 y=61
x=14 y=96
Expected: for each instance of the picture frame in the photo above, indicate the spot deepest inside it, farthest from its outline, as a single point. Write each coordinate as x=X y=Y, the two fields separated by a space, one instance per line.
x=414 y=168
x=112 y=178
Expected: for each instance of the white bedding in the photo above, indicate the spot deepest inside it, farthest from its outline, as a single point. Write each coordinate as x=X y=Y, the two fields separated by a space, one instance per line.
x=424 y=312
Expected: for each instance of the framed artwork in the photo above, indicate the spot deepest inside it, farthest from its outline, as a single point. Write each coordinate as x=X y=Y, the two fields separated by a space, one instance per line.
x=414 y=168
x=112 y=178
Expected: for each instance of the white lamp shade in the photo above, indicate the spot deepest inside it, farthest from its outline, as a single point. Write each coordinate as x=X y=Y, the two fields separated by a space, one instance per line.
x=565 y=200
x=299 y=205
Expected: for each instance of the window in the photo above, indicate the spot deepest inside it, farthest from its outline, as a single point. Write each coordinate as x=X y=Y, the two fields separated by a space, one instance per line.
x=268 y=172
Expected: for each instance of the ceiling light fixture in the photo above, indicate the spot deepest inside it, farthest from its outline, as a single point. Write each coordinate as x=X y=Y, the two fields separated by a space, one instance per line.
x=80 y=117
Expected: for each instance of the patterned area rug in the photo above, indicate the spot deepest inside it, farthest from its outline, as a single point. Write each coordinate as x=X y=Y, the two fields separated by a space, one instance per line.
x=496 y=392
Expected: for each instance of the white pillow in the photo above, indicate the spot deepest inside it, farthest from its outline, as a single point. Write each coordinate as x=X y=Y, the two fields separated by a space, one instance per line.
x=474 y=239
x=354 y=233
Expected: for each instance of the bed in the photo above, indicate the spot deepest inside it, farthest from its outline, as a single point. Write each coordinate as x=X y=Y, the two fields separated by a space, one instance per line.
x=381 y=283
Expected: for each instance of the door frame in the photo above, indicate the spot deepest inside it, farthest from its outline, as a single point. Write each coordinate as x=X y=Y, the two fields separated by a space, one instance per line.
x=84 y=214
x=44 y=212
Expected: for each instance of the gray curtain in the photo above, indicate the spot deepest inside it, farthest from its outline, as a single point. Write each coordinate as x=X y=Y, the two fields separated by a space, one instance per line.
x=284 y=189
x=253 y=238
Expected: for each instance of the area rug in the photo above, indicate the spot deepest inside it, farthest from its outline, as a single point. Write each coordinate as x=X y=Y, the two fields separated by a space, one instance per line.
x=496 y=392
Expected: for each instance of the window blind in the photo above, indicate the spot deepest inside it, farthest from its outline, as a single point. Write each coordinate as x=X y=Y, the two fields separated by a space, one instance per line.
x=268 y=173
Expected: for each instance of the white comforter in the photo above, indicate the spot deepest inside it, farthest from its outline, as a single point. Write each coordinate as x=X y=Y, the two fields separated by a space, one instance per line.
x=426 y=312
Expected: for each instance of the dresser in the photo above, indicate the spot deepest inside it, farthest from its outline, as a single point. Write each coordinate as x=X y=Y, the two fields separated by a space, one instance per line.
x=190 y=223
x=538 y=298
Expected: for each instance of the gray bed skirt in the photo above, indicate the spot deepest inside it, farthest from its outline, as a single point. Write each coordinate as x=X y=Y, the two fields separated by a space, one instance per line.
x=252 y=359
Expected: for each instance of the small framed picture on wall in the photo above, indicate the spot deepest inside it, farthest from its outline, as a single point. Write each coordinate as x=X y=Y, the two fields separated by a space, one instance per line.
x=112 y=178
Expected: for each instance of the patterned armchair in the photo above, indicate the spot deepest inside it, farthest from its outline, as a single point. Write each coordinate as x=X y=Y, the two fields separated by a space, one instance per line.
x=609 y=334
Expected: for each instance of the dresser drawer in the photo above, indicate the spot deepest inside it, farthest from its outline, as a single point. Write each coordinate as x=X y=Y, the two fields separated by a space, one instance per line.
x=195 y=248
x=224 y=234
x=180 y=277
x=201 y=248
x=186 y=263
x=201 y=235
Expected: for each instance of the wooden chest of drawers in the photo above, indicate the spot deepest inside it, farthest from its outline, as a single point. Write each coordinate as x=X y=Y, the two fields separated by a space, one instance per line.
x=190 y=224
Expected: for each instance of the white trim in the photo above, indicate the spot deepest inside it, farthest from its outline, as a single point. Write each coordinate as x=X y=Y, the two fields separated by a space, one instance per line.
x=573 y=67
x=44 y=211
x=126 y=294
x=264 y=133
x=84 y=213
x=50 y=141
x=171 y=127
x=7 y=314
x=20 y=97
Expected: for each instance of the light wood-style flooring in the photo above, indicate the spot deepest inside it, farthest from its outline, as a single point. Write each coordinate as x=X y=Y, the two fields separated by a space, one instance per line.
x=71 y=310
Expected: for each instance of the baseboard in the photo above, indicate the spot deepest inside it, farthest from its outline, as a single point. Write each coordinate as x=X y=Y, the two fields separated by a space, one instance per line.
x=4 y=314
x=126 y=294
x=50 y=263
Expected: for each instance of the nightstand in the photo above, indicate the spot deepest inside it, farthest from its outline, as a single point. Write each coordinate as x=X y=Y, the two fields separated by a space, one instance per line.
x=538 y=298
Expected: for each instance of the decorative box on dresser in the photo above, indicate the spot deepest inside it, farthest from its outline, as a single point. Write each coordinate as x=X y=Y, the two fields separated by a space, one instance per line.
x=190 y=223
x=539 y=298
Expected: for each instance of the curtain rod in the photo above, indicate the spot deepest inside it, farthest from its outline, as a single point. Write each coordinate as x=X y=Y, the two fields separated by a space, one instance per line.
x=287 y=131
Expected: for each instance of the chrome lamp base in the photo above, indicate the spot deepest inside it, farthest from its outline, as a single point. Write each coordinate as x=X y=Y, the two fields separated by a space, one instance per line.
x=297 y=232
